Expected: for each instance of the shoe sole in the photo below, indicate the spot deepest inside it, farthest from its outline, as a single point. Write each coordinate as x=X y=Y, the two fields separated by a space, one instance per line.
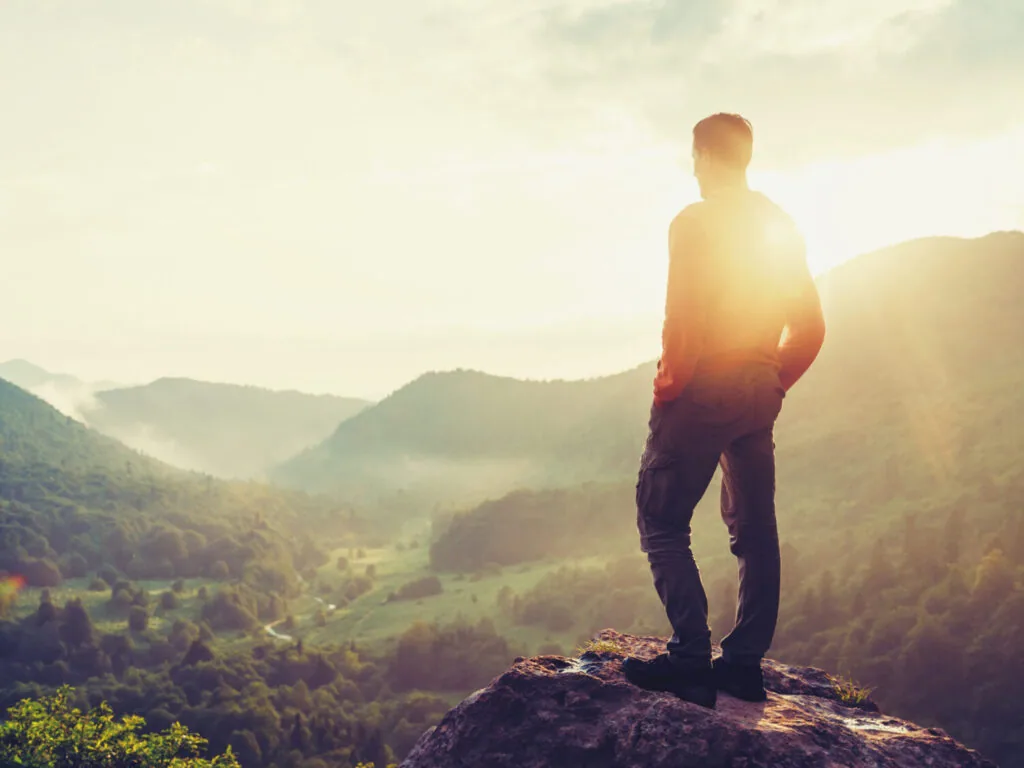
x=755 y=698
x=703 y=696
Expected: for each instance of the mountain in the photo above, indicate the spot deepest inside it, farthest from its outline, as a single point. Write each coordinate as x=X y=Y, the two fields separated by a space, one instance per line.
x=225 y=430
x=73 y=500
x=553 y=712
x=923 y=345
x=32 y=432
x=30 y=376
x=467 y=435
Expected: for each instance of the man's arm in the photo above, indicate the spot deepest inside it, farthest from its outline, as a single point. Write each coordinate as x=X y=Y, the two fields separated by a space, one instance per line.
x=682 y=336
x=805 y=323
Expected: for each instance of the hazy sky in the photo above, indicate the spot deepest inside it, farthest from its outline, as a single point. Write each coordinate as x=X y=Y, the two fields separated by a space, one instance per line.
x=337 y=195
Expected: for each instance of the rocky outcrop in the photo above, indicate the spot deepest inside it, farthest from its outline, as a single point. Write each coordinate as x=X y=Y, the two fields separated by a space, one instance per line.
x=553 y=712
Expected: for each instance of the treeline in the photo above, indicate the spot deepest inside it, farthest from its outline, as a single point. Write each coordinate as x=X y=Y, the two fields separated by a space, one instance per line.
x=933 y=622
x=532 y=525
x=274 y=704
x=57 y=525
x=580 y=601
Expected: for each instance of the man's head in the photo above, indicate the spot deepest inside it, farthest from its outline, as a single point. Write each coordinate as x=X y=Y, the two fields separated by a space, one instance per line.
x=722 y=147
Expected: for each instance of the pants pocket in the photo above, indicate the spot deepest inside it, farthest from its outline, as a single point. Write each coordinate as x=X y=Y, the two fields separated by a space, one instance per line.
x=718 y=403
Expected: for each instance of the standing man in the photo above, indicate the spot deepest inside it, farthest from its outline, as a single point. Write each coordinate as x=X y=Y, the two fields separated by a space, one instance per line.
x=743 y=322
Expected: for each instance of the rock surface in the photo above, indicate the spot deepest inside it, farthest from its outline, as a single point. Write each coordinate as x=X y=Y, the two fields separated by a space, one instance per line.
x=552 y=712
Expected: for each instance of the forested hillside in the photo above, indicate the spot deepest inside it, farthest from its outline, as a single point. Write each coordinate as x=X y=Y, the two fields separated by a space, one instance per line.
x=919 y=368
x=72 y=501
x=156 y=590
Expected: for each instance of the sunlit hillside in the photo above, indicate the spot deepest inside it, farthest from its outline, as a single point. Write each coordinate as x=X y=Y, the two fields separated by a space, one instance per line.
x=920 y=346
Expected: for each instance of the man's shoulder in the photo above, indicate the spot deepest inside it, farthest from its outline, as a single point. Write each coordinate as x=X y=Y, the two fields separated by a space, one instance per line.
x=692 y=212
x=689 y=217
x=775 y=210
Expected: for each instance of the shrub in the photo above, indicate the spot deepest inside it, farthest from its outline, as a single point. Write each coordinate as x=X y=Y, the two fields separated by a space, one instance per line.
x=356 y=587
x=109 y=574
x=414 y=590
x=40 y=572
x=138 y=619
x=73 y=566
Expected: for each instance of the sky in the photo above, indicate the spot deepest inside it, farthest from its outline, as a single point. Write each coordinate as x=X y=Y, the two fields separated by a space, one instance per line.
x=337 y=196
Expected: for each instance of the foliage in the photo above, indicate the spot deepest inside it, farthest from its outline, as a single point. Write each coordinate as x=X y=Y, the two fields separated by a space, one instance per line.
x=531 y=525
x=426 y=586
x=448 y=658
x=51 y=733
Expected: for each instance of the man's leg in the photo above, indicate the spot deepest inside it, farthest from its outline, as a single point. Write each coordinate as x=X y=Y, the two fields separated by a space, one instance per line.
x=666 y=497
x=748 y=509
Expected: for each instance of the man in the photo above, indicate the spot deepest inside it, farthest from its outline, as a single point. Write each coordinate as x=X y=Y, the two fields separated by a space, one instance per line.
x=743 y=322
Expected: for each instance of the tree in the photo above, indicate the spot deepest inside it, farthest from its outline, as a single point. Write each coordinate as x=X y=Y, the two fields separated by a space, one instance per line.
x=76 y=626
x=49 y=733
x=138 y=619
x=219 y=571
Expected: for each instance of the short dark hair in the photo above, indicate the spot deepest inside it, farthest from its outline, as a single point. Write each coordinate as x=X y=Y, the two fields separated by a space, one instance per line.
x=727 y=137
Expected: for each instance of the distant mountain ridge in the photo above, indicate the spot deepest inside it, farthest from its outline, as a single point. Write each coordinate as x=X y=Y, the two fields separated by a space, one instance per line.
x=227 y=430
x=471 y=433
x=915 y=331
x=30 y=376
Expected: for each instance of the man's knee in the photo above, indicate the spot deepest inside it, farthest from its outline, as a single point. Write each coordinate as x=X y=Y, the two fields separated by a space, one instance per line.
x=660 y=542
x=760 y=539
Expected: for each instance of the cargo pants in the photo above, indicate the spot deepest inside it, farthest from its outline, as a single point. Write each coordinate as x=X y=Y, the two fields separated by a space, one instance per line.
x=727 y=419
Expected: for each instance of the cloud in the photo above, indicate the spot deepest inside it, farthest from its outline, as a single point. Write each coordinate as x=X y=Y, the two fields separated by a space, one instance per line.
x=797 y=29
x=819 y=78
x=74 y=399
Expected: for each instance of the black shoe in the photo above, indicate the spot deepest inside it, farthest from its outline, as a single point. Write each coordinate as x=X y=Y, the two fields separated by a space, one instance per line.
x=695 y=685
x=744 y=681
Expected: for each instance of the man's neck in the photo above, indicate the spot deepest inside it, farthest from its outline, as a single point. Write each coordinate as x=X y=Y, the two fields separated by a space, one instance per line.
x=726 y=185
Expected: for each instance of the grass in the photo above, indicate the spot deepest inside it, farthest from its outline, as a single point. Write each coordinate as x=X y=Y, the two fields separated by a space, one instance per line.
x=849 y=692
x=470 y=597
x=600 y=646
